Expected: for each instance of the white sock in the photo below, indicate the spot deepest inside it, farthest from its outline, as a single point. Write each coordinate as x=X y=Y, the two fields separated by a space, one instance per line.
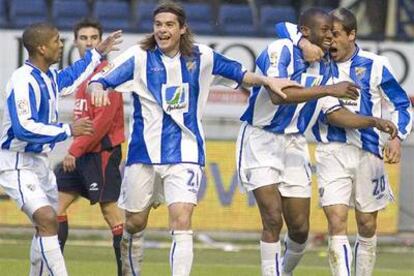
x=365 y=255
x=52 y=257
x=132 y=253
x=293 y=253
x=36 y=262
x=340 y=255
x=270 y=258
x=181 y=253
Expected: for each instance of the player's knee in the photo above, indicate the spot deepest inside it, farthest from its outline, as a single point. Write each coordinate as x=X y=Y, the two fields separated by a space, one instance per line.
x=272 y=220
x=299 y=231
x=180 y=222
x=134 y=224
x=367 y=227
x=45 y=220
x=337 y=224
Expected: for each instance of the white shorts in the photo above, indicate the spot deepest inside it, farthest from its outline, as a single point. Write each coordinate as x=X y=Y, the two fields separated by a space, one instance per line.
x=351 y=176
x=145 y=185
x=28 y=179
x=265 y=158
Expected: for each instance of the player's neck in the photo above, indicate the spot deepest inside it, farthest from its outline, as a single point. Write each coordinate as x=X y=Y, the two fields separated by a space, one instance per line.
x=39 y=63
x=350 y=53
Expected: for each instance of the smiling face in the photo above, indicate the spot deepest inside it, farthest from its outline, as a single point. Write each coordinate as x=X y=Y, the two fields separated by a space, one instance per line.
x=87 y=38
x=167 y=33
x=320 y=33
x=343 y=43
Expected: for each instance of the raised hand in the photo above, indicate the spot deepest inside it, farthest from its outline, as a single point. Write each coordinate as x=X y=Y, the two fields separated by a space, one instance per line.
x=344 y=89
x=82 y=126
x=109 y=44
x=99 y=96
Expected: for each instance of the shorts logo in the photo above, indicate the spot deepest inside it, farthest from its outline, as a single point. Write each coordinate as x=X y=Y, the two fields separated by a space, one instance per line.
x=175 y=98
x=93 y=187
x=321 y=192
x=31 y=187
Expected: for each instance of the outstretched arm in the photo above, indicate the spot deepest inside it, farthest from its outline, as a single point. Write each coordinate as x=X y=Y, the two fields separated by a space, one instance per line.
x=344 y=118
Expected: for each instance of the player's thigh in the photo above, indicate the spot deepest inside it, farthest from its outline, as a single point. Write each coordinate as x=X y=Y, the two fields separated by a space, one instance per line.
x=269 y=201
x=296 y=177
x=138 y=188
x=136 y=221
x=260 y=157
x=181 y=182
x=372 y=188
x=24 y=187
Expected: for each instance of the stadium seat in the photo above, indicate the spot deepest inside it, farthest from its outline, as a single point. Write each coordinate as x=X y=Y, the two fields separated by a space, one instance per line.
x=26 y=12
x=3 y=14
x=200 y=17
x=236 y=20
x=143 y=15
x=113 y=15
x=270 y=15
x=66 y=13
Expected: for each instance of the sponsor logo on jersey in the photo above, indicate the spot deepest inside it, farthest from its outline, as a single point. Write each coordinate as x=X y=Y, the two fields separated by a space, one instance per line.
x=175 y=98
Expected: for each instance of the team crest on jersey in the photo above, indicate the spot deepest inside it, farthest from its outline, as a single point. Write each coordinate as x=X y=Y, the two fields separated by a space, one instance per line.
x=190 y=65
x=273 y=59
x=360 y=72
x=175 y=98
x=23 y=107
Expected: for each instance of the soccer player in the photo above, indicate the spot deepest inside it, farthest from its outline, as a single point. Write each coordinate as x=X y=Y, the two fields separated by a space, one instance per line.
x=272 y=151
x=350 y=162
x=91 y=166
x=31 y=130
x=170 y=77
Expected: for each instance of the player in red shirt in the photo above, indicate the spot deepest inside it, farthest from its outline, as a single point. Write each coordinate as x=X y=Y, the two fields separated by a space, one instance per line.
x=91 y=167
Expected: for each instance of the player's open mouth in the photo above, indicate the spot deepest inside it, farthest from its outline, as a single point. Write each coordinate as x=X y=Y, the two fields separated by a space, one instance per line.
x=164 y=38
x=333 y=50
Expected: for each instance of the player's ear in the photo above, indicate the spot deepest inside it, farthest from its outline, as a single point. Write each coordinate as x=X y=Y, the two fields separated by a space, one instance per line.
x=352 y=35
x=41 y=49
x=304 y=30
x=183 y=29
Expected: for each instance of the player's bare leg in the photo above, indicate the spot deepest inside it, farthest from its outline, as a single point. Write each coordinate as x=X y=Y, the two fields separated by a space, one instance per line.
x=132 y=244
x=47 y=244
x=181 y=253
x=269 y=202
x=339 y=250
x=366 y=243
x=65 y=200
x=114 y=218
x=296 y=214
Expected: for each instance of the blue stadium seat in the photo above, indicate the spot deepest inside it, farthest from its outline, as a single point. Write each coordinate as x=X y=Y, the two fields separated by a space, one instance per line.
x=236 y=20
x=270 y=15
x=200 y=17
x=26 y=12
x=113 y=15
x=66 y=13
x=143 y=14
x=4 y=22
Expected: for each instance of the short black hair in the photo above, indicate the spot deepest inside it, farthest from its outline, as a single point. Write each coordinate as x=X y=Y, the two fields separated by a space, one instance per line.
x=36 y=35
x=307 y=17
x=346 y=18
x=86 y=23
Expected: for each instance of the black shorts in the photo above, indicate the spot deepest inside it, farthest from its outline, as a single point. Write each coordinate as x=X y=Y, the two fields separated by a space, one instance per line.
x=96 y=177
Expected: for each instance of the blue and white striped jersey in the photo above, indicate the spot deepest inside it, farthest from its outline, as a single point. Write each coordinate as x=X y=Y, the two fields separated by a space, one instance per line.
x=169 y=95
x=380 y=96
x=30 y=118
x=282 y=59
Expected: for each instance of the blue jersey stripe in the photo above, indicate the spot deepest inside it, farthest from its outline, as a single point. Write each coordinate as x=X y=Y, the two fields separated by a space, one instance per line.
x=123 y=73
x=282 y=118
x=42 y=115
x=137 y=149
x=227 y=68
x=305 y=115
x=190 y=118
x=170 y=140
x=155 y=81
x=398 y=97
